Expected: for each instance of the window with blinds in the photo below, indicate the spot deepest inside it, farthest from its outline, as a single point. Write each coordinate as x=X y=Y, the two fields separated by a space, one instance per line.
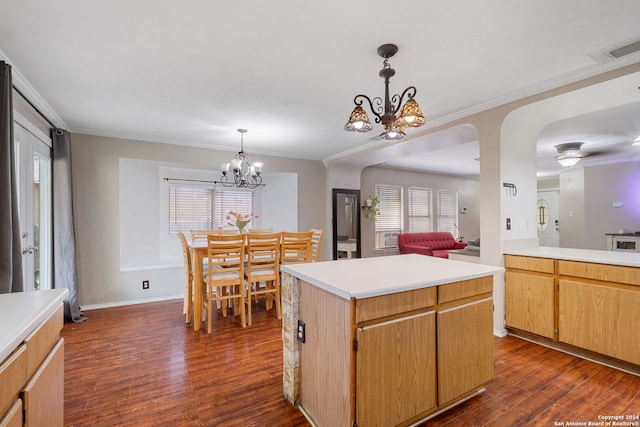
x=389 y=218
x=420 y=210
x=447 y=211
x=202 y=208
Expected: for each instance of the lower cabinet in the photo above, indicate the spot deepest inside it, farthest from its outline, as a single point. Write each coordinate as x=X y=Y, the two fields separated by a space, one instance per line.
x=13 y=417
x=593 y=306
x=603 y=319
x=396 y=370
x=529 y=303
x=465 y=349
x=32 y=378
x=394 y=359
x=43 y=395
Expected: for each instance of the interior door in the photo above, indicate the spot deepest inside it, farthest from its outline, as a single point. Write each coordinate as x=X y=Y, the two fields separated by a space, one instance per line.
x=33 y=165
x=547 y=218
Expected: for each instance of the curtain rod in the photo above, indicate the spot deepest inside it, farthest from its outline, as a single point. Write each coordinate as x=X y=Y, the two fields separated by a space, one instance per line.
x=200 y=180
x=36 y=108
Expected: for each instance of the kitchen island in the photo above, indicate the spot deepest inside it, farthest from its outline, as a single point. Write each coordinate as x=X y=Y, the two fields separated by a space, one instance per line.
x=385 y=341
x=580 y=301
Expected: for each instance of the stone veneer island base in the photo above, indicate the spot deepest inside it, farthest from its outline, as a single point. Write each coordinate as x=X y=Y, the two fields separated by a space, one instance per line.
x=388 y=341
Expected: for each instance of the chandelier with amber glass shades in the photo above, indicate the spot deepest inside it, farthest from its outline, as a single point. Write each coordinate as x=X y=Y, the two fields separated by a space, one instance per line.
x=386 y=110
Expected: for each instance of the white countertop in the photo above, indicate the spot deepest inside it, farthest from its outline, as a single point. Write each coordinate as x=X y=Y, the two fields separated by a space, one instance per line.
x=629 y=259
x=368 y=277
x=22 y=312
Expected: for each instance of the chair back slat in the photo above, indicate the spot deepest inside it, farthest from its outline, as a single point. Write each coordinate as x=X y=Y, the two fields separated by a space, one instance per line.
x=225 y=254
x=316 y=243
x=201 y=235
x=295 y=248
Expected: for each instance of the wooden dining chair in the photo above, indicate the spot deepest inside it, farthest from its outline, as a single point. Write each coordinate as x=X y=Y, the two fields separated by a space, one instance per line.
x=197 y=235
x=225 y=276
x=188 y=277
x=316 y=244
x=260 y=230
x=262 y=271
x=295 y=248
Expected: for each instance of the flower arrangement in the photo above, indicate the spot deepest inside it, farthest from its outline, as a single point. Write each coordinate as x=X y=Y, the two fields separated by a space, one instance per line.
x=239 y=220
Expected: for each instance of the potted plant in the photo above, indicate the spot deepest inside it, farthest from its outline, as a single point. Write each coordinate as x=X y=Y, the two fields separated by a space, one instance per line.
x=371 y=205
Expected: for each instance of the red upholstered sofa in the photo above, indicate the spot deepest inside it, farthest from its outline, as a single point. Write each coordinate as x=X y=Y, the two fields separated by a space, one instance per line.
x=433 y=244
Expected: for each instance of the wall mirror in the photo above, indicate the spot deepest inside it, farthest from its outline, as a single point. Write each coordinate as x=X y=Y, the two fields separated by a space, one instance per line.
x=346 y=223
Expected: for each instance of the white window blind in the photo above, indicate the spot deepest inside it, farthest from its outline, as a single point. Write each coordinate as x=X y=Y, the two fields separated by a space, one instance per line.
x=390 y=207
x=202 y=208
x=420 y=210
x=447 y=211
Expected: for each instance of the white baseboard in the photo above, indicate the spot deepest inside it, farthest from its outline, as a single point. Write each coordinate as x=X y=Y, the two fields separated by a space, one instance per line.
x=500 y=333
x=90 y=307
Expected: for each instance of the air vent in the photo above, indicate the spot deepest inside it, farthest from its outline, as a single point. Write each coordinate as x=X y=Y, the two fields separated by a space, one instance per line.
x=615 y=52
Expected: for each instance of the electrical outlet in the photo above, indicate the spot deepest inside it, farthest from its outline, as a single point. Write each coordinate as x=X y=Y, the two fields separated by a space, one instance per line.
x=508 y=223
x=300 y=332
x=145 y=284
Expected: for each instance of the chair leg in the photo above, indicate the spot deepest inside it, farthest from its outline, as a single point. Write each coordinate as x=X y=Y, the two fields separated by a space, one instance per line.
x=210 y=314
x=278 y=301
x=243 y=318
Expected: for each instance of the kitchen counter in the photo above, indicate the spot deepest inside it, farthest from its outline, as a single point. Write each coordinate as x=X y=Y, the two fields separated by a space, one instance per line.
x=369 y=277
x=628 y=259
x=410 y=329
x=22 y=312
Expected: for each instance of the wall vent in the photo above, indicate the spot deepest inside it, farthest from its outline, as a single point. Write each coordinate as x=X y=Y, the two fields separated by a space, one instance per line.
x=618 y=51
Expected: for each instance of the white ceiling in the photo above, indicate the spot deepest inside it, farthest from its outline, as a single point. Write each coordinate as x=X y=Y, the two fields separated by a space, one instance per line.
x=193 y=72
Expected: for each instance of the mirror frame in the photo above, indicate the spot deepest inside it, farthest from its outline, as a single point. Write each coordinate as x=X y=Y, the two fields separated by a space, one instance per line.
x=334 y=222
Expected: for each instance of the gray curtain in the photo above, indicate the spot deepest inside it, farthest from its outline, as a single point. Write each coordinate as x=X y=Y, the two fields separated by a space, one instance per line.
x=10 y=242
x=64 y=238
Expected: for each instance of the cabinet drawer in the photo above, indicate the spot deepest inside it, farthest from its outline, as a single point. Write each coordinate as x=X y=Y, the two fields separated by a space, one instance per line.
x=13 y=417
x=388 y=305
x=13 y=376
x=42 y=340
x=464 y=289
x=541 y=265
x=601 y=272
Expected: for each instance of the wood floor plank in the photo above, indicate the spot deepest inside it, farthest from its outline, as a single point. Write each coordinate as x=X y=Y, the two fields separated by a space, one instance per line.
x=142 y=366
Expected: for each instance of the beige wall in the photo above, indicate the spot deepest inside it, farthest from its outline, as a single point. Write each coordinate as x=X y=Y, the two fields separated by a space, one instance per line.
x=468 y=195
x=96 y=208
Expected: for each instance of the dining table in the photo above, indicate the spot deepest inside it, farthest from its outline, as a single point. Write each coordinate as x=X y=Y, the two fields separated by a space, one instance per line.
x=198 y=250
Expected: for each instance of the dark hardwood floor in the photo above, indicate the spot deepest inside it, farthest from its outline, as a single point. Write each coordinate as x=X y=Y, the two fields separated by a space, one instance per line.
x=142 y=366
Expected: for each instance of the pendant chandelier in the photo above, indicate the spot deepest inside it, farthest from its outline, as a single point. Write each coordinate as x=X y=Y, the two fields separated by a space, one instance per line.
x=385 y=111
x=244 y=175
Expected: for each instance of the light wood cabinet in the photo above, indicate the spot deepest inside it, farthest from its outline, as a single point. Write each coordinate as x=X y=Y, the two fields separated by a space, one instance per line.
x=32 y=377
x=392 y=360
x=465 y=349
x=587 y=305
x=529 y=293
x=396 y=370
x=600 y=318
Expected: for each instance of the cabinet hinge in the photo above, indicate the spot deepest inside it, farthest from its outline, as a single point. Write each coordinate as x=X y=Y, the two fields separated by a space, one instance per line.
x=355 y=344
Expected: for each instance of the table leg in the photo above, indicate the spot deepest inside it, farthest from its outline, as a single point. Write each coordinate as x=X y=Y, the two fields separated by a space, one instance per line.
x=198 y=279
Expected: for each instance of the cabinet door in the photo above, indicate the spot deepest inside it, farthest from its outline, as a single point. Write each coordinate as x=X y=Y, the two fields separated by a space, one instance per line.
x=395 y=370
x=43 y=395
x=461 y=329
x=600 y=318
x=529 y=303
x=13 y=417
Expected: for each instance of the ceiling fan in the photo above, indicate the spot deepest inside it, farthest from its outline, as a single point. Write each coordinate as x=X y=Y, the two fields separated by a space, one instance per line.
x=570 y=153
